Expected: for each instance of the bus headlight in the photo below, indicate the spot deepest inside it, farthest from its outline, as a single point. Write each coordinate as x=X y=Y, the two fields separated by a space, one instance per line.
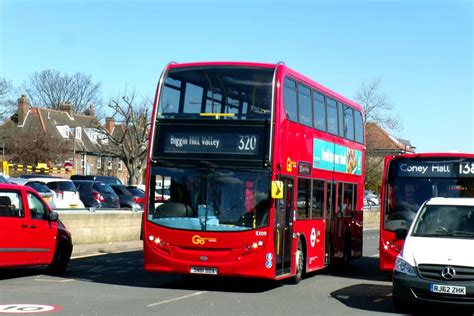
x=404 y=267
x=159 y=243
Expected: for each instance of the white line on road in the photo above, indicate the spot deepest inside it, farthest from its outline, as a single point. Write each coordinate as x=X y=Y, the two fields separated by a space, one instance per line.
x=55 y=280
x=176 y=299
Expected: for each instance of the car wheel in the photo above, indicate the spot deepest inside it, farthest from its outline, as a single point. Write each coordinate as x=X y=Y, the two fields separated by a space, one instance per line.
x=60 y=260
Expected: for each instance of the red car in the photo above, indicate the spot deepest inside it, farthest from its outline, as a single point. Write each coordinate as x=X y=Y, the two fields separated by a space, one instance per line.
x=31 y=233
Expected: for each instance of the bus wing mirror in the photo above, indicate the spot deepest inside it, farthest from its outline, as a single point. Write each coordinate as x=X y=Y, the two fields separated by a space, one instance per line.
x=277 y=189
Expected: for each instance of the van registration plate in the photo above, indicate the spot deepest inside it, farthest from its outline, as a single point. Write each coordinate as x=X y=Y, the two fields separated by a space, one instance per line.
x=203 y=270
x=448 y=289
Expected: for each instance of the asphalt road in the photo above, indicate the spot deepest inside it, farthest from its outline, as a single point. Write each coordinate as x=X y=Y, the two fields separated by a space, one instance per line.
x=115 y=284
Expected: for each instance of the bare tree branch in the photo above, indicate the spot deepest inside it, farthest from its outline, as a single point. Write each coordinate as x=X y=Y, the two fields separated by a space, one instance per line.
x=37 y=145
x=50 y=88
x=377 y=107
x=7 y=103
x=131 y=135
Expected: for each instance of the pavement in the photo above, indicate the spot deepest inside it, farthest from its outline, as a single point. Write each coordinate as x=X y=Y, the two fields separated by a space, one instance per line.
x=85 y=250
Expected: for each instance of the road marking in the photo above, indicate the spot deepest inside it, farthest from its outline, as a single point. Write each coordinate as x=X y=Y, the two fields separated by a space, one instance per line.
x=26 y=308
x=89 y=255
x=176 y=299
x=55 y=280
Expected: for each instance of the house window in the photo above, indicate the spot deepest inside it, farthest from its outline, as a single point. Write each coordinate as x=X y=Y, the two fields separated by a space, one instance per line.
x=120 y=165
x=99 y=163
x=78 y=133
x=109 y=163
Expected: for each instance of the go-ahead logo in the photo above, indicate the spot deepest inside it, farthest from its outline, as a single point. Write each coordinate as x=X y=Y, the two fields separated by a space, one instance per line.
x=198 y=240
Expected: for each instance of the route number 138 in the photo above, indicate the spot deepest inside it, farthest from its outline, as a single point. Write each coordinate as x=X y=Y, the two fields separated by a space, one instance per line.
x=466 y=168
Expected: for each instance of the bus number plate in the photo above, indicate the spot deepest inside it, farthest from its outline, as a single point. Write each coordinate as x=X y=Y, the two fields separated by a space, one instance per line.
x=448 y=289
x=203 y=270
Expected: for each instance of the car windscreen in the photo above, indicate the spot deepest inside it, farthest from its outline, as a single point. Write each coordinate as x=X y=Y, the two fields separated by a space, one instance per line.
x=102 y=188
x=108 y=180
x=62 y=186
x=136 y=191
x=121 y=190
x=445 y=221
x=39 y=187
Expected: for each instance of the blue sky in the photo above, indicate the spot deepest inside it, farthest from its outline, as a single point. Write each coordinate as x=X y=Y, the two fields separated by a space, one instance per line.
x=421 y=50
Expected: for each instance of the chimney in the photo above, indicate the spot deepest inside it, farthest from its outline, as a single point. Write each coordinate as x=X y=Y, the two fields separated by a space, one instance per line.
x=91 y=110
x=23 y=108
x=65 y=107
x=109 y=124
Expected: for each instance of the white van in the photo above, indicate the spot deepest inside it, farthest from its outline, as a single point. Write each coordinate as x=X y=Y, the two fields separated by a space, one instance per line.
x=66 y=195
x=437 y=260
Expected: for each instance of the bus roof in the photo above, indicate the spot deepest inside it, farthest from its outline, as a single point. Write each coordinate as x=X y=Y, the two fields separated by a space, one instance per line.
x=431 y=155
x=285 y=68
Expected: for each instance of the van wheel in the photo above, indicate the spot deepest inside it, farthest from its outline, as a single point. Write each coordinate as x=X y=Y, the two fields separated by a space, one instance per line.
x=400 y=306
x=299 y=261
x=60 y=260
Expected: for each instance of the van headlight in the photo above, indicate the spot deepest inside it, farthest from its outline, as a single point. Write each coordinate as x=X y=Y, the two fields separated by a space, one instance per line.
x=404 y=267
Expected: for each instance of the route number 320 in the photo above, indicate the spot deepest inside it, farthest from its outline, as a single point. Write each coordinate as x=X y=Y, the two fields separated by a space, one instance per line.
x=247 y=143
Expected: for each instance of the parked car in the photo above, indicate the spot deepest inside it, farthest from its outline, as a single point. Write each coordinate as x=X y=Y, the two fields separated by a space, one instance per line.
x=29 y=176
x=437 y=261
x=138 y=194
x=32 y=234
x=105 y=179
x=40 y=187
x=97 y=194
x=3 y=179
x=161 y=193
x=371 y=199
x=127 y=199
x=65 y=192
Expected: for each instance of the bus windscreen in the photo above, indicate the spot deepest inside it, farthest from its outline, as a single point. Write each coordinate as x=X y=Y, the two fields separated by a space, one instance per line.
x=411 y=182
x=220 y=92
x=204 y=199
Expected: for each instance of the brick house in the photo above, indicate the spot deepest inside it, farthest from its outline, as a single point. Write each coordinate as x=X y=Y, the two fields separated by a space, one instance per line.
x=90 y=151
x=380 y=144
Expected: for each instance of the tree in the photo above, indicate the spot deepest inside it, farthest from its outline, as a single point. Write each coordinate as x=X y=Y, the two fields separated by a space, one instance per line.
x=50 y=88
x=377 y=109
x=6 y=101
x=130 y=139
x=34 y=145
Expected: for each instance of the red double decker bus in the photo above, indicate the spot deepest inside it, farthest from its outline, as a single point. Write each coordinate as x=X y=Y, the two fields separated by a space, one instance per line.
x=408 y=181
x=262 y=169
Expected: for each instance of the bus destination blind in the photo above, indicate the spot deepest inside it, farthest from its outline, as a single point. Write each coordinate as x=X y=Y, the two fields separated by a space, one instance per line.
x=245 y=144
x=441 y=169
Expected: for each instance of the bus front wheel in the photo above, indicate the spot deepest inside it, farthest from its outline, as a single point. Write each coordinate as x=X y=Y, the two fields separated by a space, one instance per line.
x=299 y=262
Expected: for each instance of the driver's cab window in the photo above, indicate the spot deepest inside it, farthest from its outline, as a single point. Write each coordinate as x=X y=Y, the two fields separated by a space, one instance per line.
x=37 y=208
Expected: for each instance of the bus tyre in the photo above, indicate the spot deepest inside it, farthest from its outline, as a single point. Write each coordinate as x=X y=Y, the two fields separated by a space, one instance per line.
x=347 y=251
x=299 y=262
x=60 y=260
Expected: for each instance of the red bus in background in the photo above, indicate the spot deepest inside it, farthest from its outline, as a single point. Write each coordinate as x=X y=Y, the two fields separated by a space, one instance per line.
x=411 y=179
x=264 y=169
